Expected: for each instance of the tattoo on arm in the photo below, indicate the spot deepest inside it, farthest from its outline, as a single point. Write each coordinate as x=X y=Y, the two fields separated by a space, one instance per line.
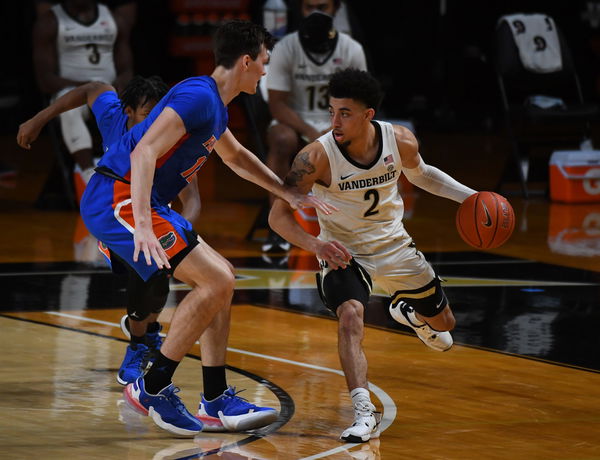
x=300 y=168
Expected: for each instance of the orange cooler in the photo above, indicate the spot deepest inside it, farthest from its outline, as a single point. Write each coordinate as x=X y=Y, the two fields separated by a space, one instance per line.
x=575 y=176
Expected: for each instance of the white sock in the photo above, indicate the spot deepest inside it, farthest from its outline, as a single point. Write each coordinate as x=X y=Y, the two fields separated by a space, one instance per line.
x=360 y=395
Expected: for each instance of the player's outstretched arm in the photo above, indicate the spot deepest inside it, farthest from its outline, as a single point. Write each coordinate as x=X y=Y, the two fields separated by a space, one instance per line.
x=245 y=164
x=425 y=176
x=82 y=95
x=309 y=166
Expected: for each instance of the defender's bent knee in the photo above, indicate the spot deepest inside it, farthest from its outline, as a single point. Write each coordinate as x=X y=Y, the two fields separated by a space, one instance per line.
x=227 y=284
x=146 y=297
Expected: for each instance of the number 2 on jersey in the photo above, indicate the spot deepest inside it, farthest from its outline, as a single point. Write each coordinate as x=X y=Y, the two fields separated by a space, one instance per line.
x=372 y=194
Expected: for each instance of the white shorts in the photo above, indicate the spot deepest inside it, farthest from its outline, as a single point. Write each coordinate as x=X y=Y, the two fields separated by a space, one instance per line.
x=75 y=132
x=399 y=266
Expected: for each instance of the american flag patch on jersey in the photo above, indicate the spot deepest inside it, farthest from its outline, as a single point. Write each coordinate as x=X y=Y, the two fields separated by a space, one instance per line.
x=388 y=160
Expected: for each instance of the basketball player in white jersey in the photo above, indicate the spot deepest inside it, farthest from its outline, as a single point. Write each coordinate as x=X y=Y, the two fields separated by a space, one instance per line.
x=77 y=41
x=356 y=167
x=300 y=67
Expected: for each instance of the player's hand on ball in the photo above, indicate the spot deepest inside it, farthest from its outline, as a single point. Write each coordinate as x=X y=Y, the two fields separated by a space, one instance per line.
x=485 y=220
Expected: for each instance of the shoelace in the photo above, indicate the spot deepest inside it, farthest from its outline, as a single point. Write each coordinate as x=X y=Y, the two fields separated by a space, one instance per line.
x=233 y=397
x=231 y=393
x=172 y=397
x=364 y=408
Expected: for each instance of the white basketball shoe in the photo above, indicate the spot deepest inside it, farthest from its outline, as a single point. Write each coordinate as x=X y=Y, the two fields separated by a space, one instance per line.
x=366 y=423
x=405 y=314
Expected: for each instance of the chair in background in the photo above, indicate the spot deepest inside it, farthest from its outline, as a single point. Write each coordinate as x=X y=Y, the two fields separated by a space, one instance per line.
x=541 y=96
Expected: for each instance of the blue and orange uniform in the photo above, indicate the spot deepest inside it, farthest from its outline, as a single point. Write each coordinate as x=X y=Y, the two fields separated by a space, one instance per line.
x=112 y=124
x=106 y=204
x=110 y=118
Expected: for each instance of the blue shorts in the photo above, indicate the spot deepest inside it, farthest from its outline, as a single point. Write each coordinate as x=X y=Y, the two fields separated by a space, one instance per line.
x=107 y=213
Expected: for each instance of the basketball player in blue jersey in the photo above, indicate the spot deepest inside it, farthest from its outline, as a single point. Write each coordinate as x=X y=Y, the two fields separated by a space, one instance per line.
x=115 y=116
x=356 y=167
x=126 y=207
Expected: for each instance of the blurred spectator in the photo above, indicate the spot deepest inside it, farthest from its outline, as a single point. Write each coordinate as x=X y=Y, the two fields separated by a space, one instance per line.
x=76 y=41
x=344 y=20
x=299 y=71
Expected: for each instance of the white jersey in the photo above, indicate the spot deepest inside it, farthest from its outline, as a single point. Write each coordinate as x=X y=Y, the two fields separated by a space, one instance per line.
x=370 y=206
x=306 y=77
x=85 y=52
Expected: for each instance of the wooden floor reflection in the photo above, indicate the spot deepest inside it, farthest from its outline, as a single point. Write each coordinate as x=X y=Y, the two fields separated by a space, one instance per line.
x=60 y=397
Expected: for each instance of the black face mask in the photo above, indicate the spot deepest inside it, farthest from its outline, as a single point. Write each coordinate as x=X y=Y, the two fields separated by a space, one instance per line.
x=316 y=32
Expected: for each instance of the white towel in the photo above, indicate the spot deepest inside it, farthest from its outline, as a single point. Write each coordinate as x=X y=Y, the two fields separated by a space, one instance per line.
x=537 y=40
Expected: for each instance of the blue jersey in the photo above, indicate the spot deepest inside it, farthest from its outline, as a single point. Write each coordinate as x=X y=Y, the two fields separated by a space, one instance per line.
x=110 y=118
x=197 y=101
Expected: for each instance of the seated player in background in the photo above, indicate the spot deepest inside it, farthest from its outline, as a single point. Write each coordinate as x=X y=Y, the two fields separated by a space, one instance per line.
x=300 y=67
x=74 y=42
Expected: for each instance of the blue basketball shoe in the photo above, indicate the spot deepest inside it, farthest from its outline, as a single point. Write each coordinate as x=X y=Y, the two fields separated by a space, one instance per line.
x=134 y=364
x=153 y=339
x=230 y=412
x=165 y=408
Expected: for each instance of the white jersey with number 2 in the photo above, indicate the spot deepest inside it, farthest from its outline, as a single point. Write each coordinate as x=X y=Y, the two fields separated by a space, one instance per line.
x=370 y=206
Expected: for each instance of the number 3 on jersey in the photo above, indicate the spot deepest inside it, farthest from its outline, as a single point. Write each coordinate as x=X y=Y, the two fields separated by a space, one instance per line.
x=94 y=56
x=373 y=196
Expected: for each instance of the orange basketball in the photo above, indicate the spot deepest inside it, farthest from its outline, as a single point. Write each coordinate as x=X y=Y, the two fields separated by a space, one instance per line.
x=485 y=220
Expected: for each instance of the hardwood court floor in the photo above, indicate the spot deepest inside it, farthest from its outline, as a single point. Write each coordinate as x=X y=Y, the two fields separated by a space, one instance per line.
x=521 y=382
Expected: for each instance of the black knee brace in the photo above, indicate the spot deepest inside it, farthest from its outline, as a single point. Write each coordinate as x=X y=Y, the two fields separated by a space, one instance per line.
x=338 y=286
x=146 y=297
x=428 y=300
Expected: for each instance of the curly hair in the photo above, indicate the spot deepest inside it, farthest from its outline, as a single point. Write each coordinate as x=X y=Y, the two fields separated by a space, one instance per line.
x=358 y=85
x=140 y=90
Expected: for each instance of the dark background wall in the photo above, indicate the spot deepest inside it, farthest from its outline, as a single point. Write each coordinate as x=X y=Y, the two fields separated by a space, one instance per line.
x=437 y=66
x=433 y=57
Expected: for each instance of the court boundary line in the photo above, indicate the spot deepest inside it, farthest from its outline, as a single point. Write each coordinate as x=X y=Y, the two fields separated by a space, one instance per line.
x=389 y=407
x=285 y=400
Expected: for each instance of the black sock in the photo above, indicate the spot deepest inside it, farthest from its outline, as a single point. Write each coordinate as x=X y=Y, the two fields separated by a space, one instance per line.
x=213 y=378
x=160 y=373
x=134 y=341
x=153 y=328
